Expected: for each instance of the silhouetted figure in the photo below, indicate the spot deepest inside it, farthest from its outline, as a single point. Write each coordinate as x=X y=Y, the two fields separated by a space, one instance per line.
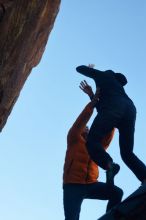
x=115 y=109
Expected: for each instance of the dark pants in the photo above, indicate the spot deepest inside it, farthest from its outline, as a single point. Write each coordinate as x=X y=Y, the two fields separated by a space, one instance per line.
x=74 y=194
x=124 y=119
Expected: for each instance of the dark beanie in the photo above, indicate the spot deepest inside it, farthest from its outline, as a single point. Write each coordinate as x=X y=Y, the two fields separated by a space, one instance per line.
x=121 y=78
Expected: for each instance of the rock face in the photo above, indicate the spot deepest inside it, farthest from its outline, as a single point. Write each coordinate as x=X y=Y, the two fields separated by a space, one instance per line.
x=132 y=208
x=24 y=29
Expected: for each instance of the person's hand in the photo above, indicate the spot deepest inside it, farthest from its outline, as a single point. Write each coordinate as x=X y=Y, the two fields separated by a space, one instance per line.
x=86 y=88
x=91 y=65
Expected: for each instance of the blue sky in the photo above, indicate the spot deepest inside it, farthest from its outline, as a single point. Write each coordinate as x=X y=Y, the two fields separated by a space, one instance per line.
x=111 y=34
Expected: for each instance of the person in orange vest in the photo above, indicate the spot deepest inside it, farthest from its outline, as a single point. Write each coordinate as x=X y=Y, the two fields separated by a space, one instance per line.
x=80 y=172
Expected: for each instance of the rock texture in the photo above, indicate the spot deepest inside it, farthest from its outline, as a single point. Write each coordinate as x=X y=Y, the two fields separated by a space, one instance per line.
x=132 y=208
x=24 y=29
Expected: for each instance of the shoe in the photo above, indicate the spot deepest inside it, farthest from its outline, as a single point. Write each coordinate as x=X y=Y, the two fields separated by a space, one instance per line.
x=111 y=172
x=143 y=183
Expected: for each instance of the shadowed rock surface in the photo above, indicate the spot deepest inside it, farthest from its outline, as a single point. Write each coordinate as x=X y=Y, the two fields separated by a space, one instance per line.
x=132 y=208
x=24 y=29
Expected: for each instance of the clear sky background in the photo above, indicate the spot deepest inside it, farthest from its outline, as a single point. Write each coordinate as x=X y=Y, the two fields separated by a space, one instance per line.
x=112 y=35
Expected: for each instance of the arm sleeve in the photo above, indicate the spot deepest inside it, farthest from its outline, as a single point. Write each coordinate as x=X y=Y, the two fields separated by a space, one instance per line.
x=80 y=122
x=97 y=104
x=90 y=72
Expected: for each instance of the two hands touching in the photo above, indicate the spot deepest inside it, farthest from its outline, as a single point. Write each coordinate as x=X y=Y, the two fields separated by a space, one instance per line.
x=86 y=88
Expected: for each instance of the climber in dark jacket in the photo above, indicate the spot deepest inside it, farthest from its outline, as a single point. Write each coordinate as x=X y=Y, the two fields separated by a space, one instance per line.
x=115 y=109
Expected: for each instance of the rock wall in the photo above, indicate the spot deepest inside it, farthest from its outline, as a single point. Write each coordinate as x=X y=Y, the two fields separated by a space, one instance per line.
x=24 y=29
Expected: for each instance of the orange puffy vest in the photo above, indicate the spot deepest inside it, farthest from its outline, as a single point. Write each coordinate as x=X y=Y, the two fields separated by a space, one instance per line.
x=78 y=167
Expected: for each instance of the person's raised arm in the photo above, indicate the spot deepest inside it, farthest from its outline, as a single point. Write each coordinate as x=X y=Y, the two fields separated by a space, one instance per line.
x=80 y=123
x=89 y=71
x=86 y=88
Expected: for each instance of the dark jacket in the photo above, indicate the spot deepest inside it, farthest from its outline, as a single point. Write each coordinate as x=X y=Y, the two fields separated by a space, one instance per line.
x=111 y=86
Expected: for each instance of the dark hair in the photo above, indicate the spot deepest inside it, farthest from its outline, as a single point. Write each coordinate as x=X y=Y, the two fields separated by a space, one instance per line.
x=121 y=78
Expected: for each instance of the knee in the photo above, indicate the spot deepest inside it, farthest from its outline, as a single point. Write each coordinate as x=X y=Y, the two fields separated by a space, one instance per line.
x=119 y=193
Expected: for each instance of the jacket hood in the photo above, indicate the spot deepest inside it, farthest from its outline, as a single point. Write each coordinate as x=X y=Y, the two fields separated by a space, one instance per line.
x=121 y=78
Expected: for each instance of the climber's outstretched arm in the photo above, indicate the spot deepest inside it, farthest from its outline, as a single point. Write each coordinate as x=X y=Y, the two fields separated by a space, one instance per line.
x=86 y=88
x=89 y=71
